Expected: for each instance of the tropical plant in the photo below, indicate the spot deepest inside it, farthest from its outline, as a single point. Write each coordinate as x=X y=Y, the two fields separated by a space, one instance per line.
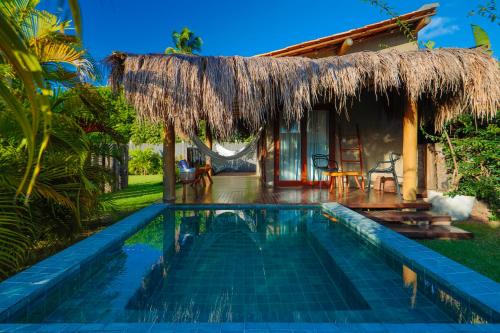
x=487 y=10
x=185 y=42
x=145 y=132
x=145 y=162
x=481 y=38
x=34 y=53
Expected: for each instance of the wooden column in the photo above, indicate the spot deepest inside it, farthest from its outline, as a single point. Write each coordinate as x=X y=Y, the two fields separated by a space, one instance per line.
x=168 y=163
x=410 y=131
x=209 y=143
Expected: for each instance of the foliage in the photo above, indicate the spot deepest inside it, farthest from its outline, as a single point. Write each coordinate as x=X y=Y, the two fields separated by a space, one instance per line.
x=185 y=42
x=32 y=48
x=474 y=148
x=384 y=8
x=481 y=38
x=478 y=158
x=145 y=162
x=487 y=10
x=145 y=132
x=121 y=114
x=53 y=127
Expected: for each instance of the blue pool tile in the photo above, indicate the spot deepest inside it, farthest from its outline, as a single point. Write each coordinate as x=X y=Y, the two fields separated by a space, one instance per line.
x=363 y=284
x=469 y=284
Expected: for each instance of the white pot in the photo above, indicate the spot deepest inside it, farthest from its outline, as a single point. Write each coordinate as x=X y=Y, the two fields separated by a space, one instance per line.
x=458 y=207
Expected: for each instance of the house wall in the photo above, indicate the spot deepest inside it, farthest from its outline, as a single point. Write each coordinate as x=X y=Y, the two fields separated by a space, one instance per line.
x=381 y=132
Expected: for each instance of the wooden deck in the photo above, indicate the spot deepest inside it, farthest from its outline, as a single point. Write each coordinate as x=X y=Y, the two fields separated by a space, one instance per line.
x=242 y=189
x=247 y=189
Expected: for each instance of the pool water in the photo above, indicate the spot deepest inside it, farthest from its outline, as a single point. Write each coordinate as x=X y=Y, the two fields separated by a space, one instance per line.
x=255 y=265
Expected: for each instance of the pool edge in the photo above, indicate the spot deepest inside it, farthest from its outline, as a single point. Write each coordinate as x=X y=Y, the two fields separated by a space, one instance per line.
x=467 y=282
x=18 y=290
x=71 y=258
x=251 y=328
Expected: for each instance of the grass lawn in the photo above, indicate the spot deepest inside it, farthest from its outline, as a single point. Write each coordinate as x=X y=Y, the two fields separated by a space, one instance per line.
x=482 y=253
x=141 y=192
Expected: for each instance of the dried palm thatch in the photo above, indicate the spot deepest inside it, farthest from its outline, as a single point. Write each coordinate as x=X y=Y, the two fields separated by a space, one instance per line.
x=226 y=90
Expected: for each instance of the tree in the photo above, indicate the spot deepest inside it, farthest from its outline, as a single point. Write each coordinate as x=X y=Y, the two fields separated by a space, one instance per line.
x=185 y=42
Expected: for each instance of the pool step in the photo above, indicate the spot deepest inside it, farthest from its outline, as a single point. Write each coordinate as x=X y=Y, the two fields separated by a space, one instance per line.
x=429 y=231
x=403 y=216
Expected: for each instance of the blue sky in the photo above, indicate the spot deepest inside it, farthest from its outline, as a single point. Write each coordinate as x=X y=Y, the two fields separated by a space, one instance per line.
x=251 y=27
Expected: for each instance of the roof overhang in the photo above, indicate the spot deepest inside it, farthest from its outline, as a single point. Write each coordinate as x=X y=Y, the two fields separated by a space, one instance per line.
x=417 y=20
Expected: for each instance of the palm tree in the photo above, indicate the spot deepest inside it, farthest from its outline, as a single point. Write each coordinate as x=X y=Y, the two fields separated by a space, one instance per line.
x=185 y=42
x=25 y=99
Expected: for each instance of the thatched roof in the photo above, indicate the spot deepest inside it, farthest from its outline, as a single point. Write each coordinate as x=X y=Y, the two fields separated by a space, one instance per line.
x=223 y=90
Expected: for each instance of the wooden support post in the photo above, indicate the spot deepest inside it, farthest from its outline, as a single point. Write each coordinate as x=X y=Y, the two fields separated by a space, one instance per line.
x=168 y=163
x=263 y=157
x=410 y=131
x=209 y=143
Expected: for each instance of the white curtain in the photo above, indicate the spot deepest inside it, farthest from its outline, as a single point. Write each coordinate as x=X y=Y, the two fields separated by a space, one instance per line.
x=290 y=162
x=317 y=139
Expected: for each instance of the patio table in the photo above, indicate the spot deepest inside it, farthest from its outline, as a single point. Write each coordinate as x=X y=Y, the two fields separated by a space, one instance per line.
x=338 y=176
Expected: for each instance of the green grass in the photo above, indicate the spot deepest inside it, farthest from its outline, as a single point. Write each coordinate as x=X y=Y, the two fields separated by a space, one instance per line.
x=482 y=253
x=142 y=191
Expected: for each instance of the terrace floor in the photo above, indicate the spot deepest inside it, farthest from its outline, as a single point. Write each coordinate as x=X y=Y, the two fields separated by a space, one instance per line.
x=246 y=188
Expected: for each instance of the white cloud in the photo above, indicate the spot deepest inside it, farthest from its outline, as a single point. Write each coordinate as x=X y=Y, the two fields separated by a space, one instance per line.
x=439 y=26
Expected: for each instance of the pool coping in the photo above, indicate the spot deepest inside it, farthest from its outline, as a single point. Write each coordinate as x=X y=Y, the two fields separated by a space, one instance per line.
x=17 y=291
x=251 y=328
x=471 y=285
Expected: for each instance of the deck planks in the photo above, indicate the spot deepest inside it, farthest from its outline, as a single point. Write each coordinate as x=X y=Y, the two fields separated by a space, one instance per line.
x=244 y=189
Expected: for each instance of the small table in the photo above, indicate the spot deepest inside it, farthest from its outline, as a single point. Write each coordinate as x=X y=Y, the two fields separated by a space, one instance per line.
x=339 y=177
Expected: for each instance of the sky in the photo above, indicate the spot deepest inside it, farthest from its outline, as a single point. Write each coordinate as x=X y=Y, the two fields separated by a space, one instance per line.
x=251 y=27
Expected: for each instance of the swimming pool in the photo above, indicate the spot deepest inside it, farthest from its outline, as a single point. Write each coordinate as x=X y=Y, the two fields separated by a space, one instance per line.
x=252 y=264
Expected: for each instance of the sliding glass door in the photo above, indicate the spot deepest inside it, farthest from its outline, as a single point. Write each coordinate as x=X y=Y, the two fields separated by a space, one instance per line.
x=290 y=161
x=317 y=140
x=296 y=143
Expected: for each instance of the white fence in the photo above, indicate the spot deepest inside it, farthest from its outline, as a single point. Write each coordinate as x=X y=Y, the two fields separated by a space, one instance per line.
x=249 y=163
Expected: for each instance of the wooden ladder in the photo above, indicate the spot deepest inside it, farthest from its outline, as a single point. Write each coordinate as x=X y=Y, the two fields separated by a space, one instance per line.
x=356 y=153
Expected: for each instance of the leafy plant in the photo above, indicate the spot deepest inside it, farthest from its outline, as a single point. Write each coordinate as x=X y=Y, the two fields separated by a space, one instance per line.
x=481 y=38
x=185 y=42
x=487 y=10
x=25 y=101
x=144 y=132
x=145 y=162
x=473 y=159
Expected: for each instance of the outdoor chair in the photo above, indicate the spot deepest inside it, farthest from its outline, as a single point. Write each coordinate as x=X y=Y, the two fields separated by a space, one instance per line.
x=386 y=167
x=321 y=163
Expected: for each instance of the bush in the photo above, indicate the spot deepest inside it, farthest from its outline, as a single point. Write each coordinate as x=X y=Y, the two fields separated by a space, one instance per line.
x=478 y=158
x=144 y=162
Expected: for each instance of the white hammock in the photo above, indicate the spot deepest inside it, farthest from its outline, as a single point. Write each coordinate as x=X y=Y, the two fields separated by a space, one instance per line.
x=224 y=154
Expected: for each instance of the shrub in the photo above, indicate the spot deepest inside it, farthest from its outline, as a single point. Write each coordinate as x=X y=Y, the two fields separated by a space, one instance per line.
x=145 y=162
x=475 y=146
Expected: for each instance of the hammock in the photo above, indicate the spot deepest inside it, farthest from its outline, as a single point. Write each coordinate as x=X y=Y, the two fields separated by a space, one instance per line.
x=226 y=155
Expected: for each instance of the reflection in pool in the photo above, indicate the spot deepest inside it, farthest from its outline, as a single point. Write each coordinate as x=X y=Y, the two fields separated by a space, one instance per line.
x=255 y=265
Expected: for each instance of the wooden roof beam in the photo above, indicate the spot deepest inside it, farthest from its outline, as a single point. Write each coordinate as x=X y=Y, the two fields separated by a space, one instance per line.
x=346 y=45
x=422 y=23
